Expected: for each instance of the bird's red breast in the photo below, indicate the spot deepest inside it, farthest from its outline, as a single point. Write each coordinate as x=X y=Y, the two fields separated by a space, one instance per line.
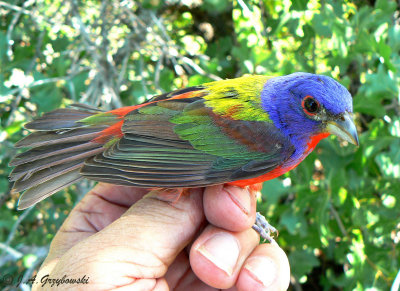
x=284 y=168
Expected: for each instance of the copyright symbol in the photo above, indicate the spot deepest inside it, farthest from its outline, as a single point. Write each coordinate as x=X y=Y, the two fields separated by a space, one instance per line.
x=7 y=279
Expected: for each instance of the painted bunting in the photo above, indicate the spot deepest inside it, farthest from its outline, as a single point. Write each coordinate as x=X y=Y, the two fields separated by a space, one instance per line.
x=240 y=131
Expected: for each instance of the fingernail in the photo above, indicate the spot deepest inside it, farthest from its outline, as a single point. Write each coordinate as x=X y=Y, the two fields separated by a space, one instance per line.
x=241 y=197
x=222 y=249
x=262 y=269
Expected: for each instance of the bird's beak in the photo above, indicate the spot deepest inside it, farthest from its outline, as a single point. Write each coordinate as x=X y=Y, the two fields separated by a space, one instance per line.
x=344 y=128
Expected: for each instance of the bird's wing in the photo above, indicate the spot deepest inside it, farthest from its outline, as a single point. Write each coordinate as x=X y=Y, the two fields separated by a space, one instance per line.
x=188 y=138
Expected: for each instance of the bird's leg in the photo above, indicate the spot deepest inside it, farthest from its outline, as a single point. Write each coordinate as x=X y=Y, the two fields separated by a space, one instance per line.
x=264 y=228
x=261 y=225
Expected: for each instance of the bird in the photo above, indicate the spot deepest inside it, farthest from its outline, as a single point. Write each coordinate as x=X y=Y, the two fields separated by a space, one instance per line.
x=240 y=131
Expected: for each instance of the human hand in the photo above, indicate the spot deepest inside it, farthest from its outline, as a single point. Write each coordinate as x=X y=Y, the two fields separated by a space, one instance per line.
x=119 y=237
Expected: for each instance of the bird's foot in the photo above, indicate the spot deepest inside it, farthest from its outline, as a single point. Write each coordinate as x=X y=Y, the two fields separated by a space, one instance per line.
x=264 y=228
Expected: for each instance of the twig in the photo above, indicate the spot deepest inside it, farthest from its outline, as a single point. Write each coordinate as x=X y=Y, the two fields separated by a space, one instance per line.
x=313 y=56
x=178 y=69
x=157 y=71
x=18 y=98
x=396 y=283
x=40 y=253
x=247 y=13
x=295 y=283
x=124 y=66
x=45 y=81
x=10 y=30
x=338 y=220
x=13 y=252
x=146 y=92
x=16 y=224
x=199 y=70
x=15 y=8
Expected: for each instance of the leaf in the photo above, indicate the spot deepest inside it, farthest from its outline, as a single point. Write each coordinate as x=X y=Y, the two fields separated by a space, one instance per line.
x=77 y=85
x=47 y=97
x=389 y=163
x=197 y=80
x=299 y=5
x=294 y=222
x=14 y=127
x=3 y=48
x=320 y=26
x=302 y=262
x=273 y=190
x=385 y=51
x=166 y=79
x=216 y=5
x=371 y=106
x=379 y=85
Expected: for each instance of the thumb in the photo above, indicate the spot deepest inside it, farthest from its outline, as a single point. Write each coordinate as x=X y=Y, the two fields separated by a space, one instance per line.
x=141 y=244
x=161 y=228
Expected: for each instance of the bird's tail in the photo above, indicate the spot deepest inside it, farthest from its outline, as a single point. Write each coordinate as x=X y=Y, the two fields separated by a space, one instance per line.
x=59 y=145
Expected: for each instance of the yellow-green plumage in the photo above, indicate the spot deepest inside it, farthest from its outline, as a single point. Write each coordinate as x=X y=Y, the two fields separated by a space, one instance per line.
x=243 y=102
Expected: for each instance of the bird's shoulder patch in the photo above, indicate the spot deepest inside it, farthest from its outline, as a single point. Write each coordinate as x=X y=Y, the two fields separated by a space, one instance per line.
x=238 y=99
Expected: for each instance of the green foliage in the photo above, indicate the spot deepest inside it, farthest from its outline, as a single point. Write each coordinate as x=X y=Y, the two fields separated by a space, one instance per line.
x=338 y=212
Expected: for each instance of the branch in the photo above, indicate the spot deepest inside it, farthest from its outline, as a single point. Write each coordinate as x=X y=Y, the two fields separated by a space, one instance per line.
x=46 y=81
x=15 y=8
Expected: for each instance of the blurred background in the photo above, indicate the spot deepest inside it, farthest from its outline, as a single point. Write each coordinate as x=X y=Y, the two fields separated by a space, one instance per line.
x=338 y=213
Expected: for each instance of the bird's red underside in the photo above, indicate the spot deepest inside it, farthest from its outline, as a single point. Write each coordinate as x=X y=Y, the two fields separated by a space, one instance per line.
x=256 y=182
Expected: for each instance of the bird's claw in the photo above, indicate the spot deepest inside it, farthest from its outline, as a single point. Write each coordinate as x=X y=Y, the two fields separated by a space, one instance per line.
x=264 y=228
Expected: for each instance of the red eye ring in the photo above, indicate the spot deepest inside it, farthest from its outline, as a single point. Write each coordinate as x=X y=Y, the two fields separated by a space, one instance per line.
x=310 y=106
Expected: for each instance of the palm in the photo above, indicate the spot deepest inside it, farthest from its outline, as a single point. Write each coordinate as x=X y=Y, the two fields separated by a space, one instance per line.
x=115 y=244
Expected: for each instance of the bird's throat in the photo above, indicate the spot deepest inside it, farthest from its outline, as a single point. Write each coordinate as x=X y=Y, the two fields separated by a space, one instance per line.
x=314 y=140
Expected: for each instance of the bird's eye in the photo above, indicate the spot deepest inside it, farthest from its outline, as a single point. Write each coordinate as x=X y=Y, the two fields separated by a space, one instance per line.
x=310 y=105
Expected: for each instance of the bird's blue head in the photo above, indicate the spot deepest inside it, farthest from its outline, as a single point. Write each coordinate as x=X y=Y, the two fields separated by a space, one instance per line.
x=307 y=107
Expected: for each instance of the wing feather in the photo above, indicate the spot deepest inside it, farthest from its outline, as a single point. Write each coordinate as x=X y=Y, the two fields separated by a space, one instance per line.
x=182 y=142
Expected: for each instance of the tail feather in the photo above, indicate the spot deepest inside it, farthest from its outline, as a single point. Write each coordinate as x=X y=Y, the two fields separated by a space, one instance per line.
x=24 y=171
x=47 y=151
x=46 y=174
x=58 y=149
x=41 y=191
x=86 y=107
x=42 y=138
x=64 y=118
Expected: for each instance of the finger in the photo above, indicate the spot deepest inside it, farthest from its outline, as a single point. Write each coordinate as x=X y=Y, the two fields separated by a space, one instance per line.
x=267 y=268
x=100 y=207
x=217 y=256
x=229 y=207
x=181 y=277
x=124 y=196
x=141 y=244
